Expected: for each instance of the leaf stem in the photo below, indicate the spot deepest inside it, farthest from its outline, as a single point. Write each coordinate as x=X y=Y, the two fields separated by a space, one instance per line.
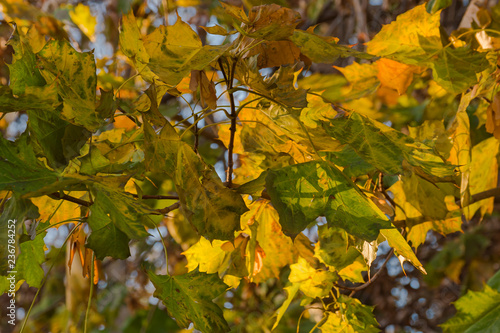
x=90 y=293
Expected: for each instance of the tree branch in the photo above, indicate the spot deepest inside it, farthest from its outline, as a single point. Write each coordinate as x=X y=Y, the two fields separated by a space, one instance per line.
x=166 y=210
x=229 y=83
x=494 y=192
x=59 y=196
x=156 y=197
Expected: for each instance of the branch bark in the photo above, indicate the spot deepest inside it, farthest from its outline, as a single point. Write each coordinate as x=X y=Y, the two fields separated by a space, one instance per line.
x=166 y=210
x=229 y=78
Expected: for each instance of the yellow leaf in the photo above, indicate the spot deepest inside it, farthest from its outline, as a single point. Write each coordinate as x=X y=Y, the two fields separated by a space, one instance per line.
x=313 y=282
x=209 y=257
x=82 y=17
x=317 y=110
x=483 y=175
x=460 y=151
x=402 y=248
x=62 y=210
x=353 y=271
x=401 y=38
x=493 y=117
x=417 y=233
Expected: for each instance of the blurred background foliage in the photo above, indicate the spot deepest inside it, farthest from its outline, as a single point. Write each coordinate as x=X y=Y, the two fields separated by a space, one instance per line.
x=404 y=302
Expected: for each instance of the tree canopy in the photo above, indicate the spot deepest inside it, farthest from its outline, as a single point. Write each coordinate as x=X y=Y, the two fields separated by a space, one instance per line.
x=237 y=167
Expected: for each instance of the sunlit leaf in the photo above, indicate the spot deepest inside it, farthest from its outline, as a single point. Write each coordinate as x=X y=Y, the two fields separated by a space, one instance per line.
x=483 y=175
x=400 y=40
x=313 y=282
x=477 y=311
x=402 y=248
x=291 y=292
x=83 y=18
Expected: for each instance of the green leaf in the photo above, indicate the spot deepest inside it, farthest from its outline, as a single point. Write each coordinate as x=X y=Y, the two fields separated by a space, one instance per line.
x=188 y=298
x=74 y=74
x=29 y=261
x=108 y=240
x=212 y=209
x=303 y=192
x=428 y=198
x=58 y=140
x=386 y=148
x=333 y=247
x=107 y=104
x=323 y=49
x=23 y=70
x=455 y=69
x=254 y=187
x=291 y=291
x=176 y=50
x=407 y=212
x=434 y=6
x=127 y=214
x=477 y=311
x=20 y=170
x=39 y=99
x=352 y=316
x=17 y=209
x=494 y=281
x=353 y=164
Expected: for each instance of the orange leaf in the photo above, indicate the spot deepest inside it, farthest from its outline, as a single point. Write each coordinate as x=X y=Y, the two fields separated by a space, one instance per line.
x=395 y=75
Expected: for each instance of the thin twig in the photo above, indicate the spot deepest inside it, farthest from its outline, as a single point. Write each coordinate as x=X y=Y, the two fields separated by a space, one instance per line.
x=196 y=133
x=373 y=278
